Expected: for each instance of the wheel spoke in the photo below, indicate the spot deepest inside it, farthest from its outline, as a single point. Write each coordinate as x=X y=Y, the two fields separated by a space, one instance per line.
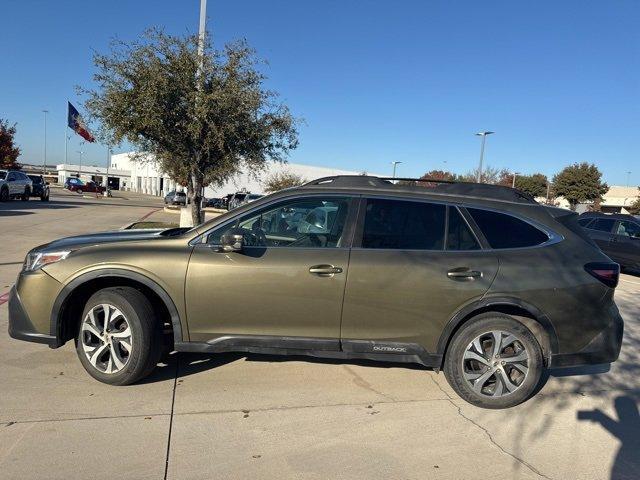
x=481 y=381
x=117 y=359
x=126 y=333
x=520 y=367
x=125 y=344
x=507 y=381
x=469 y=355
x=497 y=342
x=87 y=327
x=96 y=355
x=519 y=357
x=499 y=388
x=105 y=311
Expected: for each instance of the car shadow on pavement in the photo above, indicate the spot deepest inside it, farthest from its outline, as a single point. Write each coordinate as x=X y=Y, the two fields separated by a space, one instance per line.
x=626 y=429
x=14 y=213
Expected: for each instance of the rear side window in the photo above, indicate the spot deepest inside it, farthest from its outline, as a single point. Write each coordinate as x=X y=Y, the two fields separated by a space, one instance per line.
x=403 y=225
x=506 y=231
x=459 y=235
x=629 y=229
x=584 y=222
x=602 y=224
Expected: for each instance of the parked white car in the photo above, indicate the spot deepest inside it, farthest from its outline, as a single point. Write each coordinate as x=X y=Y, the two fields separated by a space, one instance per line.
x=14 y=184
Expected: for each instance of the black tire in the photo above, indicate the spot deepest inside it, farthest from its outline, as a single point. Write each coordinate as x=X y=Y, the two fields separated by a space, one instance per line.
x=26 y=194
x=454 y=362
x=44 y=197
x=4 y=194
x=79 y=191
x=146 y=335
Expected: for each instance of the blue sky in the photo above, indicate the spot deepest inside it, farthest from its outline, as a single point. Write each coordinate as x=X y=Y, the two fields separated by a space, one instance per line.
x=558 y=81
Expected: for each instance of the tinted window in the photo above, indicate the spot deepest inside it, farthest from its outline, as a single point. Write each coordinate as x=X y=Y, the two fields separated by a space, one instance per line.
x=312 y=222
x=506 y=231
x=584 y=222
x=629 y=229
x=2 y=175
x=403 y=225
x=602 y=224
x=35 y=179
x=459 y=235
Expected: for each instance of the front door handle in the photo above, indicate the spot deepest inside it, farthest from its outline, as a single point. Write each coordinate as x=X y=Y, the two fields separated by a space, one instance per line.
x=463 y=274
x=325 y=270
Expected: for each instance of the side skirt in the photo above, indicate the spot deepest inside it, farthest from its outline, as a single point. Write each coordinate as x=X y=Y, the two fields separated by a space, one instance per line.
x=314 y=347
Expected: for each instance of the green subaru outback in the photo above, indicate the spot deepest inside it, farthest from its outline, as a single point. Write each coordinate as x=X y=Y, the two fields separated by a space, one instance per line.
x=476 y=280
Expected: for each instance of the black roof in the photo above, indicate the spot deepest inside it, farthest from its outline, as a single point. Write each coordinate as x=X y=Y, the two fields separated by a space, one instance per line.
x=425 y=185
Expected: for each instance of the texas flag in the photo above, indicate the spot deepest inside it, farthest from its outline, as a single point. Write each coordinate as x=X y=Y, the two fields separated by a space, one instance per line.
x=76 y=123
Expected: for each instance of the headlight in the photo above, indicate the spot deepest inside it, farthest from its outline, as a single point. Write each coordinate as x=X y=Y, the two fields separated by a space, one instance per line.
x=36 y=260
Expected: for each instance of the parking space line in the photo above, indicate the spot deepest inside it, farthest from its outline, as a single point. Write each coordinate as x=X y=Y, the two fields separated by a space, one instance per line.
x=629 y=281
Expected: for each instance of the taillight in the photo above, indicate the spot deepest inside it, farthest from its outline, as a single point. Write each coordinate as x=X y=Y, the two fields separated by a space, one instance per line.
x=607 y=273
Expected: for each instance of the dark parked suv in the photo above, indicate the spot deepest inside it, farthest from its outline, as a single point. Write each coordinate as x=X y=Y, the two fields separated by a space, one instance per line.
x=479 y=281
x=617 y=235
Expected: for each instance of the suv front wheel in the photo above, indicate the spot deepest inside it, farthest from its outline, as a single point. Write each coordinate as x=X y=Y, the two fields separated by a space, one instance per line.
x=494 y=361
x=119 y=340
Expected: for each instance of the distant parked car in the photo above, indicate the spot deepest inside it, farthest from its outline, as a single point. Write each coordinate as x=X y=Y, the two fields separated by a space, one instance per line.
x=617 y=235
x=39 y=187
x=14 y=184
x=241 y=198
x=79 y=186
x=220 y=203
x=175 y=198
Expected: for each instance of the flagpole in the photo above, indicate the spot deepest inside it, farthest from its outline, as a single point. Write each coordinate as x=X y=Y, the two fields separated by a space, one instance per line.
x=66 y=144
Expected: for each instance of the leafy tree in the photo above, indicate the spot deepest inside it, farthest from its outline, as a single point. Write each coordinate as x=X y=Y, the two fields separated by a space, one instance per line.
x=634 y=209
x=203 y=118
x=440 y=175
x=535 y=185
x=281 y=180
x=580 y=182
x=489 y=175
x=9 y=152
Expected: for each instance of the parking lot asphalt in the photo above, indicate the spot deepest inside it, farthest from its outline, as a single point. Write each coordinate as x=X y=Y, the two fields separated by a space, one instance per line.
x=235 y=416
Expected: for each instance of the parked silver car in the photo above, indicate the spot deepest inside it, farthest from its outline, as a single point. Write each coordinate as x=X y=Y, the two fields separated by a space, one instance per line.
x=14 y=184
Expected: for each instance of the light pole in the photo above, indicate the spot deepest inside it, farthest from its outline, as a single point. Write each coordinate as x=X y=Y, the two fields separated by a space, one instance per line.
x=513 y=184
x=484 y=138
x=628 y=175
x=395 y=164
x=44 y=163
x=80 y=169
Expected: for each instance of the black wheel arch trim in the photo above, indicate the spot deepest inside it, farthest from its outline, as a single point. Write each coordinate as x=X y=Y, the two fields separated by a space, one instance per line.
x=113 y=273
x=488 y=302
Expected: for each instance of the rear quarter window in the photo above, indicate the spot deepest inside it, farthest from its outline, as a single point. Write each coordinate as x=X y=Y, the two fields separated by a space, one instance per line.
x=506 y=231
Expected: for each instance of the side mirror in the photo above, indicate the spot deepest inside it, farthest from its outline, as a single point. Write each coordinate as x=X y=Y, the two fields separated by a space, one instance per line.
x=232 y=241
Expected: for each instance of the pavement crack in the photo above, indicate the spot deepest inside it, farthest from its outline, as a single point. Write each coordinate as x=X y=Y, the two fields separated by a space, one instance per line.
x=361 y=382
x=488 y=434
x=173 y=402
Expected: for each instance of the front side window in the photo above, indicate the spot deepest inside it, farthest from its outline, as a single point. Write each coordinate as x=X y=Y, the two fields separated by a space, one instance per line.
x=629 y=229
x=506 y=231
x=314 y=222
x=584 y=222
x=602 y=224
x=403 y=225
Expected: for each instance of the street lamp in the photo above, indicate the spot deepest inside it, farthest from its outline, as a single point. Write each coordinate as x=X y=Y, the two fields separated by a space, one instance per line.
x=395 y=164
x=484 y=138
x=513 y=184
x=80 y=169
x=44 y=163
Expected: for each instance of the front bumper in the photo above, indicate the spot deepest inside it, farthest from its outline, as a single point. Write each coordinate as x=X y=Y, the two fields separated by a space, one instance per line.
x=604 y=348
x=20 y=326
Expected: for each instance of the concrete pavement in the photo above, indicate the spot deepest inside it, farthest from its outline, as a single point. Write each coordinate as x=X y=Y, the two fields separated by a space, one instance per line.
x=238 y=416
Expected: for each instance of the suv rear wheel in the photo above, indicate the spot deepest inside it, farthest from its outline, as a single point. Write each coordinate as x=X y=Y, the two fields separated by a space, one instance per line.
x=494 y=361
x=119 y=341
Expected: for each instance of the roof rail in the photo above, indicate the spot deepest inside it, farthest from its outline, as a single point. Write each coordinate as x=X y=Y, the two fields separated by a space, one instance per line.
x=450 y=187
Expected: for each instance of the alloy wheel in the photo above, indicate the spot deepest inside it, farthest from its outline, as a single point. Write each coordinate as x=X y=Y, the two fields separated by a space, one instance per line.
x=106 y=338
x=495 y=363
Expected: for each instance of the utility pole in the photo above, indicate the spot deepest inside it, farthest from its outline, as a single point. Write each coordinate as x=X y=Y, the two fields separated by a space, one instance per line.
x=395 y=164
x=44 y=163
x=513 y=184
x=484 y=138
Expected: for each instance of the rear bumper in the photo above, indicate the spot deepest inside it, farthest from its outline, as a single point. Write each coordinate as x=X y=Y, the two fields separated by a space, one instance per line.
x=20 y=326
x=604 y=348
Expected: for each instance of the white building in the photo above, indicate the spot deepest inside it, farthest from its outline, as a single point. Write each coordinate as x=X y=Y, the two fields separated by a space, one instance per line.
x=146 y=177
x=119 y=178
x=616 y=200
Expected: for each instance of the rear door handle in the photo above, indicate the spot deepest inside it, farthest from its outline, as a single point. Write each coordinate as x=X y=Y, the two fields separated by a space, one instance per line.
x=325 y=270
x=463 y=273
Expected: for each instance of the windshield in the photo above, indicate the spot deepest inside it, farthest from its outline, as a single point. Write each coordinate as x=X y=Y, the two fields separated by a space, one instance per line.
x=35 y=178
